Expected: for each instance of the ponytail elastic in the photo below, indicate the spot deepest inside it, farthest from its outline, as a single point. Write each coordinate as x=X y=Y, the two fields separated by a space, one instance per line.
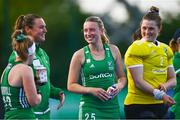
x=153 y=12
x=20 y=37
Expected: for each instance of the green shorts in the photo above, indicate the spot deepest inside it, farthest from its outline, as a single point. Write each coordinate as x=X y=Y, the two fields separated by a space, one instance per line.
x=20 y=114
x=92 y=113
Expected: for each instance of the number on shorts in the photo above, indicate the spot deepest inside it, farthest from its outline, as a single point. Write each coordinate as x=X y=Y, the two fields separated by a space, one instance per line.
x=90 y=116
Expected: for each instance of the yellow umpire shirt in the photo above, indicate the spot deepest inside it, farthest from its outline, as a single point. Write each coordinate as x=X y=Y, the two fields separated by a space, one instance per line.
x=155 y=60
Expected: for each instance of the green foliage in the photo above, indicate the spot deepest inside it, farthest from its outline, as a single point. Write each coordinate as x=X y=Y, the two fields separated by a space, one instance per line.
x=64 y=21
x=169 y=27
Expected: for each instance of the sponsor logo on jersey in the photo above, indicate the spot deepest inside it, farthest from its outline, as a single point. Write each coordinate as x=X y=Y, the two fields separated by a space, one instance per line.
x=159 y=71
x=101 y=75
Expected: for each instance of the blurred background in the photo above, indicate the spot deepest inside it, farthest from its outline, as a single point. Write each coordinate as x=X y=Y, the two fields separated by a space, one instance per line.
x=64 y=20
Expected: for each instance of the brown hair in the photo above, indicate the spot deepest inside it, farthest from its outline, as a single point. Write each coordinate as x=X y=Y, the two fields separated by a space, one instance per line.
x=175 y=41
x=25 y=20
x=137 y=35
x=153 y=14
x=104 y=36
x=173 y=45
x=21 y=45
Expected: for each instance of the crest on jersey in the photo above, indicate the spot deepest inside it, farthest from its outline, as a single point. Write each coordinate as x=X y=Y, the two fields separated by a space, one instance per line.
x=110 y=65
x=165 y=50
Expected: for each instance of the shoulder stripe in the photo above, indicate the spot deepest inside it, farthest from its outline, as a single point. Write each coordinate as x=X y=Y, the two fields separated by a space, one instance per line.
x=177 y=71
x=107 y=48
x=133 y=66
x=170 y=66
x=86 y=52
x=22 y=99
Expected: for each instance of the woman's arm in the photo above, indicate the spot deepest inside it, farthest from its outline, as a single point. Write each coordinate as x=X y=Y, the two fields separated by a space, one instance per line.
x=74 y=73
x=171 y=79
x=73 y=76
x=121 y=78
x=29 y=86
x=118 y=67
x=137 y=75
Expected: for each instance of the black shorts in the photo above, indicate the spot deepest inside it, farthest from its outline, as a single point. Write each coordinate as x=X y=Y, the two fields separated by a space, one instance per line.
x=145 y=111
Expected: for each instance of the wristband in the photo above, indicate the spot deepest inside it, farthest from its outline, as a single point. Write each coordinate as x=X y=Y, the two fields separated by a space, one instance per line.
x=158 y=94
x=113 y=86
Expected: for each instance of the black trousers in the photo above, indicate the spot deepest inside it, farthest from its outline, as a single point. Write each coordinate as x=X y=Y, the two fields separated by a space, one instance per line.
x=146 y=111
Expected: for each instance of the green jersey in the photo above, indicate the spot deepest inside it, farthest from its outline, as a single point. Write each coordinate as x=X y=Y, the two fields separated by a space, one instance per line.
x=176 y=64
x=47 y=90
x=14 y=98
x=99 y=74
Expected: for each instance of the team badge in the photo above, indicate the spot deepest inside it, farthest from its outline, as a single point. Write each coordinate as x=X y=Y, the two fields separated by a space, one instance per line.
x=110 y=65
x=165 y=50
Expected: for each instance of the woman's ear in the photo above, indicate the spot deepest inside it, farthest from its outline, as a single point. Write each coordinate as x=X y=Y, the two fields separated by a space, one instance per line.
x=102 y=30
x=27 y=30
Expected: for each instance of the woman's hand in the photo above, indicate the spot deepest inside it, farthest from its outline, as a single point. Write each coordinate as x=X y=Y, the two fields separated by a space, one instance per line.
x=61 y=100
x=168 y=100
x=113 y=90
x=99 y=93
x=162 y=87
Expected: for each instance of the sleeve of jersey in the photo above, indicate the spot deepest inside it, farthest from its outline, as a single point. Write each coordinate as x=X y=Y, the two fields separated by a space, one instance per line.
x=55 y=92
x=46 y=56
x=135 y=54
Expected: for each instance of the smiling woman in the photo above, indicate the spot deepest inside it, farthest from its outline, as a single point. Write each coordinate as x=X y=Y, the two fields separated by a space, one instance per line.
x=99 y=64
x=35 y=26
x=150 y=71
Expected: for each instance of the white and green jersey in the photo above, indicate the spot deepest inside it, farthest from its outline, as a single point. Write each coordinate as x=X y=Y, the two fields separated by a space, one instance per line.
x=47 y=90
x=14 y=98
x=98 y=74
x=176 y=107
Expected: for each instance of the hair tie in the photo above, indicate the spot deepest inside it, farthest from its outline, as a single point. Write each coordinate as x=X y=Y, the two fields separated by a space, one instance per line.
x=153 y=12
x=21 y=37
